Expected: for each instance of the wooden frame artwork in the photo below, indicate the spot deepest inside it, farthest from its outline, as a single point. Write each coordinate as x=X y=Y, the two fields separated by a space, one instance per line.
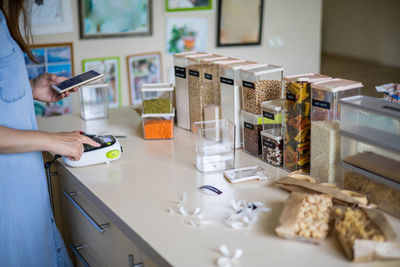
x=143 y=68
x=103 y=19
x=239 y=24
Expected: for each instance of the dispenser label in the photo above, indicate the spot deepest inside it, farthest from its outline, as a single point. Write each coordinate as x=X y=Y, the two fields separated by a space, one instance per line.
x=226 y=80
x=194 y=73
x=248 y=85
x=321 y=104
x=180 y=72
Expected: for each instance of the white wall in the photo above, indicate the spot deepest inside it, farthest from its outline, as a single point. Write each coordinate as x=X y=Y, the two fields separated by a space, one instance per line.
x=366 y=29
x=297 y=23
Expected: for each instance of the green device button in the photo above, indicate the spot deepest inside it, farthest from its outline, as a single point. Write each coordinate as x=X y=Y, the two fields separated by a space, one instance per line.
x=112 y=154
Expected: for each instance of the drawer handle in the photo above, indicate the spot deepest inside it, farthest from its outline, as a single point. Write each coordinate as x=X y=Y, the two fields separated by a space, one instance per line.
x=75 y=250
x=132 y=262
x=99 y=227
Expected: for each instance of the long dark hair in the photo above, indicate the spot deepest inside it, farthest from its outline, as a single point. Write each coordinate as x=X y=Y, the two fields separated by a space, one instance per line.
x=13 y=10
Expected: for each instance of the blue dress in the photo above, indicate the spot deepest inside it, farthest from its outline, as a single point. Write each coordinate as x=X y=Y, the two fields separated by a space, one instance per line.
x=28 y=233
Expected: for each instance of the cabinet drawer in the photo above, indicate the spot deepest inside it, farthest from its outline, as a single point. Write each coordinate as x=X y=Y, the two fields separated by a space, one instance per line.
x=83 y=255
x=112 y=246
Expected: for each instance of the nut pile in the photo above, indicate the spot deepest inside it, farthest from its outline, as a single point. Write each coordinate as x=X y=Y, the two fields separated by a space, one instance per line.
x=313 y=218
x=263 y=91
x=354 y=224
x=272 y=151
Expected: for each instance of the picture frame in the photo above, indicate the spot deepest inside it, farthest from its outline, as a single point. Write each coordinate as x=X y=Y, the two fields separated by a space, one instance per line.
x=51 y=17
x=186 y=34
x=232 y=31
x=143 y=68
x=95 y=22
x=184 y=5
x=54 y=58
x=111 y=68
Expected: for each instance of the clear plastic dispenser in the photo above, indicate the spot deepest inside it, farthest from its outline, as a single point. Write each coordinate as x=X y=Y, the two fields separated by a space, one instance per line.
x=230 y=85
x=370 y=150
x=252 y=127
x=325 y=116
x=297 y=120
x=197 y=92
x=181 y=87
x=157 y=98
x=260 y=84
x=215 y=145
x=273 y=113
x=94 y=101
x=272 y=146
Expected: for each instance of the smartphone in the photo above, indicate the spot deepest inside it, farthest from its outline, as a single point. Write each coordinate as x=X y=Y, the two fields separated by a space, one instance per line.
x=76 y=81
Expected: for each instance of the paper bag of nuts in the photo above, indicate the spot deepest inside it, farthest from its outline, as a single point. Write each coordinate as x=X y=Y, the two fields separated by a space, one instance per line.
x=365 y=234
x=298 y=182
x=305 y=217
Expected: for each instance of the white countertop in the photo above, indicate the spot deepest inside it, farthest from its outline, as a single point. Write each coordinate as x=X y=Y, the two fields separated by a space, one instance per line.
x=151 y=176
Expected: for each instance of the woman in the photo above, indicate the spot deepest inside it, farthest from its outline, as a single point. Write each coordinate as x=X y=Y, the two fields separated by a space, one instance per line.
x=28 y=234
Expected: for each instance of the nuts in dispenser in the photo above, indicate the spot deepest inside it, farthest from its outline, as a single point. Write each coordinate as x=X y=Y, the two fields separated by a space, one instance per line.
x=252 y=127
x=260 y=84
x=272 y=147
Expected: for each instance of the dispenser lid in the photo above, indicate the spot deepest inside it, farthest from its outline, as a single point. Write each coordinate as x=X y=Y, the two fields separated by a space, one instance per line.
x=307 y=77
x=336 y=85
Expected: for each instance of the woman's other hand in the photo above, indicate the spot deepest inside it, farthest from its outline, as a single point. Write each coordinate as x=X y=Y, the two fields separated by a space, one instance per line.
x=69 y=144
x=42 y=91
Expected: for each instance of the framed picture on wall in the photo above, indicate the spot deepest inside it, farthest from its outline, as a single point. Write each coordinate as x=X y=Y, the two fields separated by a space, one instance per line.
x=110 y=67
x=55 y=59
x=100 y=19
x=239 y=22
x=143 y=68
x=50 y=17
x=187 y=5
x=186 y=34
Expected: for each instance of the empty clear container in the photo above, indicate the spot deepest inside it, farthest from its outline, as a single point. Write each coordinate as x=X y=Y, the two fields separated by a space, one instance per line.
x=272 y=146
x=260 y=84
x=230 y=85
x=181 y=87
x=325 y=115
x=252 y=127
x=94 y=101
x=215 y=145
x=371 y=117
x=197 y=95
x=297 y=120
x=158 y=126
x=157 y=98
x=273 y=113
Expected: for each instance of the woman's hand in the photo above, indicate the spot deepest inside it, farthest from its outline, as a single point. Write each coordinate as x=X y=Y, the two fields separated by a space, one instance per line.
x=42 y=91
x=69 y=144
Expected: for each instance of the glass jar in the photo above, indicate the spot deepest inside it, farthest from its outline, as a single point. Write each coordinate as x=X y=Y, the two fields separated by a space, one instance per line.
x=215 y=145
x=260 y=84
x=273 y=113
x=94 y=101
x=181 y=87
x=272 y=146
x=325 y=116
x=157 y=98
x=297 y=120
x=252 y=127
x=230 y=84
